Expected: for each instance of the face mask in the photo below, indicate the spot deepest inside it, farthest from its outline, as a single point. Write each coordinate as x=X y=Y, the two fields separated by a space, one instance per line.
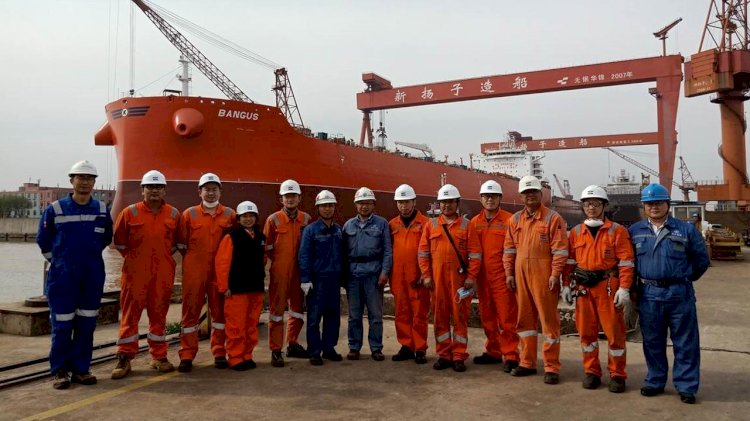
x=593 y=223
x=463 y=293
x=210 y=205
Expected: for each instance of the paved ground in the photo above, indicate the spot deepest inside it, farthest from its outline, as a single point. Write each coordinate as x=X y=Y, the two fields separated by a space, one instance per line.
x=377 y=390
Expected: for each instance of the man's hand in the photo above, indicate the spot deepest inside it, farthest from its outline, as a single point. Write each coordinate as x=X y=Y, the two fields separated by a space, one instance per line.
x=567 y=295
x=469 y=283
x=306 y=287
x=427 y=282
x=552 y=282
x=228 y=293
x=622 y=297
x=510 y=282
x=382 y=280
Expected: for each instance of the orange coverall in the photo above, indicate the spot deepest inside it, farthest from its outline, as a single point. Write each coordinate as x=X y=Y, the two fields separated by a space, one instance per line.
x=200 y=234
x=412 y=302
x=282 y=244
x=147 y=241
x=536 y=247
x=438 y=260
x=612 y=251
x=497 y=303
x=241 y=311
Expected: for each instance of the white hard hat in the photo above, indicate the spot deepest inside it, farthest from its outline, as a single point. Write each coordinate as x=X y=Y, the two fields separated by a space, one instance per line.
x=594 y=192
x=83 y=167
x=363 y=194
x=448 y=191
x=491 y=186
x=529 y=182
x=209 y=178
x=404 y=192
x=153 y=177
x=324 y=197
x=245 y=207
x=289 y=186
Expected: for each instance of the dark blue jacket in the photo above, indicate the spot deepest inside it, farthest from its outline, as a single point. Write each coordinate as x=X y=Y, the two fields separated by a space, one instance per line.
x=368 y=245
x=320 y=252
x=678 y=253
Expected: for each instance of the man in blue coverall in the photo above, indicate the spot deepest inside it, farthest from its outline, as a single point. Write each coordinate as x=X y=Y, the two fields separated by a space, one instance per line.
x=368 y=257
x=320 y=274
x=72 y=233
x=670 y=256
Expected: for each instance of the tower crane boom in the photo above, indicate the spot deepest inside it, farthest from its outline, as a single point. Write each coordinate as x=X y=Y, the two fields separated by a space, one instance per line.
x=425 y=149
x=687 y=180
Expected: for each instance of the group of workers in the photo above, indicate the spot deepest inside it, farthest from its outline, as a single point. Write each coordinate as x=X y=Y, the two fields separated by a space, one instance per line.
x=518 y=265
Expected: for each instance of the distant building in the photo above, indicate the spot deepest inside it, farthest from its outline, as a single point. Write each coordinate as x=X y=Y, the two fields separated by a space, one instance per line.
x=41 y=196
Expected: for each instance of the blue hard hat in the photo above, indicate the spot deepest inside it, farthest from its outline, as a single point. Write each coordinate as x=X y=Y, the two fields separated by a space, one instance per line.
x=654 y=193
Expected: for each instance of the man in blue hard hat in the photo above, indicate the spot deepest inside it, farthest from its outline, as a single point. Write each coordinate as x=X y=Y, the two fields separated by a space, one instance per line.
x=670 y=256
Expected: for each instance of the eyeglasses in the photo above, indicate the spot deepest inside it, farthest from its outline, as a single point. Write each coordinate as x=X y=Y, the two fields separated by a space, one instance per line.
x=593 y=205
x=154 y=187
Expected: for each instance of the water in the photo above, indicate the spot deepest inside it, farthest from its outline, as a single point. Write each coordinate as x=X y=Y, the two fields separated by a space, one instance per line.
x=22 y=268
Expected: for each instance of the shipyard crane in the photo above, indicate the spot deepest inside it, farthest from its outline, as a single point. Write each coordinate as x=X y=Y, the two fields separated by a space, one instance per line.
x=564 y=187
x=687 y=184
x=425 y=149
x=285 y=99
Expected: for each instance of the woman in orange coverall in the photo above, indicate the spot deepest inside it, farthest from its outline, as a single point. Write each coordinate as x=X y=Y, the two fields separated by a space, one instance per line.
x=240 y=274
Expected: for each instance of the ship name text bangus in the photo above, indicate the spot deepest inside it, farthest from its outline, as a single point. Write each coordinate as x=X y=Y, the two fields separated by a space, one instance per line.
x=238 y=114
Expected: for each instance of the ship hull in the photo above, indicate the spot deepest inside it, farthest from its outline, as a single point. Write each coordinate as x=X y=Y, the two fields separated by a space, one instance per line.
x=253 y=149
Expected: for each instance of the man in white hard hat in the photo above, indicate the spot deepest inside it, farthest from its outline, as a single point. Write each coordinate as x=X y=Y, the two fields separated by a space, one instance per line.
x=600 y=263
x=283 y=231
x=320 y=265
x=498 y=308
x=443 y=261
x=535 y=253
x=367 y=240
x=73 y=231
x=146 y=236
x=201 y=230
x=240 y=275
x=412 y=299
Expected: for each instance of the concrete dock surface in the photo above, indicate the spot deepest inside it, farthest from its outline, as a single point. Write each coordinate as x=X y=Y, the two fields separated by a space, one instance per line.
x=367 y=389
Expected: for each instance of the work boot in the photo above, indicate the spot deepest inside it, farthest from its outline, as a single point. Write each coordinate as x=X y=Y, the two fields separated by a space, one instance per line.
x=442 y=364
x=296 y=351
x=378 y=356
x=185 y=366
x=420 y=357
x=509 y=365
x=551 y=378
x=403 y=354
x=277 y=359
x=250 y=364
x=591 y=382
x=316 y=360
x=521 y=371
x=687 y=398
x=486 y=358
x=86 y=379
x=459 y=366
x=352 y=355
x=242 y=366
x=221 y=362
x=616 y=385
x=162 y=365
x=122 y=368
x=649 y=391
x=332 y=356
x=61 y=380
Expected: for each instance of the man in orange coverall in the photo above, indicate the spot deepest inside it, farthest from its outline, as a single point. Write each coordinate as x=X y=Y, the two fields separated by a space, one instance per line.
x=146 y=236
x=240 y=275
x=601 y=264
x=201 y=229
x=412 y=299
x=283 y=231
x=536 y=250
x=443 y=257
x=497 y=304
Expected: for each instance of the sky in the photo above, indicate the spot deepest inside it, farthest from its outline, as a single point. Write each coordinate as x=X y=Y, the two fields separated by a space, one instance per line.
x=63 y=61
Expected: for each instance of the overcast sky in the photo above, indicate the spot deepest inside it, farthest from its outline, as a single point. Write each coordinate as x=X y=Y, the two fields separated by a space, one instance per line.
x=62 y=61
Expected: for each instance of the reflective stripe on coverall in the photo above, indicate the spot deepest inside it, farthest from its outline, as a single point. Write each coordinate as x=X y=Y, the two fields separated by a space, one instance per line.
x=412 y=305
x=536 y=248
x=611 y=250
x=72 y=237
x=438 y=260
x=497 y=303
x=200 y=235
x=147 y=241
x=282 y=243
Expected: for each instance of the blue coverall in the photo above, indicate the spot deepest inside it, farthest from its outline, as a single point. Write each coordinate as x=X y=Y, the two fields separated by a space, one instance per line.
x=320 y=263
x=72 y=238
x=668 y=264
x=369 y=255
